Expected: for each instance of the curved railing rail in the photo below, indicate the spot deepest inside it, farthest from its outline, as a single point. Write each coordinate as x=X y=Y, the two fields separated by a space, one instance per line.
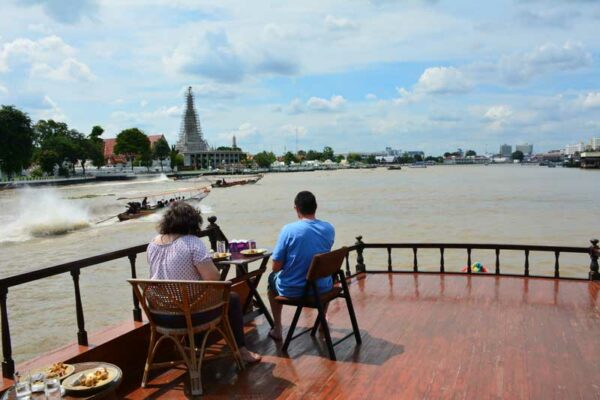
x=213 y=231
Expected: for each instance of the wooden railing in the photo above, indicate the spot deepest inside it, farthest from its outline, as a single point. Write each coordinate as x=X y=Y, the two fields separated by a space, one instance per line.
x=213 y=232
x=359 y=247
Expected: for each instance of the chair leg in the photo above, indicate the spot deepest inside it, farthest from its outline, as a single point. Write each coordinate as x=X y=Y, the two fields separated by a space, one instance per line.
x=227 y=333
x=313 y=331
x=328 y=340
x=290 y=334
x=352 y=316
x=150 y=358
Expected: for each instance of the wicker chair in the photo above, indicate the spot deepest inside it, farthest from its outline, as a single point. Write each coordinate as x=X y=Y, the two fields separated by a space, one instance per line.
x=177 y=311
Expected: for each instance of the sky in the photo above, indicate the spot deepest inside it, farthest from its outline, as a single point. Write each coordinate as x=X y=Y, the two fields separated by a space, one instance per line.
x=356 y=75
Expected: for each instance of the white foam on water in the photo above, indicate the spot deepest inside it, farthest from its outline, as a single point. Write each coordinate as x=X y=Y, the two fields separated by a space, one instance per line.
x=43 y=212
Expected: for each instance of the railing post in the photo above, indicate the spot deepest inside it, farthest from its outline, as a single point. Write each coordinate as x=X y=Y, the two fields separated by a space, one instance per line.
x=526 y=262
x=81 y=333
x=415 y=260
x=497 y=261
x=8 y=364
x=389 y=250
x=360 y=261
x=556 y=265
x=137 y=312
x=442 y=260
x=468 y=260
x=594 y=253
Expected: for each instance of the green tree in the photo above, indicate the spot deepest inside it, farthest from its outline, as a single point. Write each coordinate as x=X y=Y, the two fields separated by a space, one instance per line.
x=418 y=157
x=339 y=158
x=173 y=156
x=354 y=158
x=46 y=129
x=327 y=154
x=471 y=153
x=371 y=159
x=132 y=142
x=264 y=159
x=161 y=150
x=47 y=159
x=517 y=155
x=56 y=150
x=289 y=158
x=16 y=140
x=96 y=146
x=313 y=155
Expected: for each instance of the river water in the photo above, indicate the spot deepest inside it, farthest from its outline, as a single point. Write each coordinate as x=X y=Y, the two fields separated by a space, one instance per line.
x=490 y=204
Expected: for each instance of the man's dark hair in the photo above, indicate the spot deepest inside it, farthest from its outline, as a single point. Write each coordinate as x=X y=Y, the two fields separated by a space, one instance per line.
x=182 y=219
x=306 y=203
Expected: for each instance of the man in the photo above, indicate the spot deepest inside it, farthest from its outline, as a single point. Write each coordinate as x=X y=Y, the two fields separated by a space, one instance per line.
x=297 y=244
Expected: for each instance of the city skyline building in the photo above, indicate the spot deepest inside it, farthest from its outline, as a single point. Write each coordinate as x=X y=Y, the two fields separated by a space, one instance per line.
x=506 y=150
x=526 y=148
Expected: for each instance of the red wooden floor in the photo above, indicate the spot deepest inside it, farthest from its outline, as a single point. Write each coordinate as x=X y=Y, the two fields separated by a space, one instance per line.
x=428 y=337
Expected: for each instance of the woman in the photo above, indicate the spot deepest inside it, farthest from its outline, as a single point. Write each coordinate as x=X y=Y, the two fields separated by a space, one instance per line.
x=178 y=254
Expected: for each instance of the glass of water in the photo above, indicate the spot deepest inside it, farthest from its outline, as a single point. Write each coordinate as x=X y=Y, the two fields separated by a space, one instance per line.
x=52 y=389
x=221 y=246
x=23 y=385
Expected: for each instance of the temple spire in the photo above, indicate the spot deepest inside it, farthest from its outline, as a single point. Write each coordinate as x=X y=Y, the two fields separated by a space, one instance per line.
x=190 y=138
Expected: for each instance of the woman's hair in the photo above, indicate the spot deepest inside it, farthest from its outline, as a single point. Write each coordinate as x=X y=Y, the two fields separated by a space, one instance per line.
x=182 y=219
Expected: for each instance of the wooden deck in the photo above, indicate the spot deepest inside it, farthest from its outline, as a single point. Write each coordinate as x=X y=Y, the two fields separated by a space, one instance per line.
x=428 y=336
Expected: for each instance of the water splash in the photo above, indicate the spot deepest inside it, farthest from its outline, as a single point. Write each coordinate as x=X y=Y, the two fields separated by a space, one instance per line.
x=42 y=212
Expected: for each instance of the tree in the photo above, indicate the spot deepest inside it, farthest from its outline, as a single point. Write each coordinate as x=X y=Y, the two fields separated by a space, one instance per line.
x=264 y=159
x=16 y=140
x=517 y=155
x=289 y=158
x=371 y=159
x=161 y=150
x=96 y=147
x=47 y=129
x=313 y=155
x=173 y=156
x=132 y=142
x=339 y=158
x=418 y=157
x=146 y=159
x=327 y=154
x=354 y=158
x=470 y=153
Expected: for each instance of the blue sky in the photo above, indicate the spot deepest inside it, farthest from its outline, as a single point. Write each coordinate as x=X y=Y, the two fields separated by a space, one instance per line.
x=356 y=75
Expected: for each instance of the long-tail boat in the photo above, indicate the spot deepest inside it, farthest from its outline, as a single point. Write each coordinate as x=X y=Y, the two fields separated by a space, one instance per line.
x=138 y=210
x=223 y=183
x=428 y=330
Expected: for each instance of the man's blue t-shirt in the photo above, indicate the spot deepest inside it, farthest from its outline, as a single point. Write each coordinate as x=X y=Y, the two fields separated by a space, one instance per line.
x=298 y=243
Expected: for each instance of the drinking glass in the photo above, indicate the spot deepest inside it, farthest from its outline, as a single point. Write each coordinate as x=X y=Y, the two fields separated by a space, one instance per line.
x=52 y=389
x=221 y=246
x=23 y=385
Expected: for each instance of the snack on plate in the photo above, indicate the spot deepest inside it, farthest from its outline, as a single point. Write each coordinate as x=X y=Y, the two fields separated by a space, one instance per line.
x=93 y=378
x=56 y=370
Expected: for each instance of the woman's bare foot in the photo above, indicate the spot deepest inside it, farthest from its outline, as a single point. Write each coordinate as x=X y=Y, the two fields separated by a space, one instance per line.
x=249 y=356
x=275 y=334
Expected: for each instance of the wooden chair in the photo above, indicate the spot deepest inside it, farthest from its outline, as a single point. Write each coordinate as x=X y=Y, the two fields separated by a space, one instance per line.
x=322 y=265
x=177 y=312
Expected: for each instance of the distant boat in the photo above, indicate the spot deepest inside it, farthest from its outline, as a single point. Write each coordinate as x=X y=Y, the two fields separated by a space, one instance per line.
x=418 y=165
x=222 y=183
x=394 y=167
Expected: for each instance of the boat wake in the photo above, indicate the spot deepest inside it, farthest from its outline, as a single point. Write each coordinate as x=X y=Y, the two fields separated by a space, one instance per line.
x=43 y=212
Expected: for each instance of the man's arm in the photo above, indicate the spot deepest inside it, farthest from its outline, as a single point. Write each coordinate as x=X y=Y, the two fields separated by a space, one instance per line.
x=277 y=265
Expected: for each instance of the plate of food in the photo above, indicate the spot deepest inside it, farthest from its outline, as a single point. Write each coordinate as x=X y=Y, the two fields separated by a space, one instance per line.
x=220 y=256
x=58 y=370
x=253 y=252
x=91 y=379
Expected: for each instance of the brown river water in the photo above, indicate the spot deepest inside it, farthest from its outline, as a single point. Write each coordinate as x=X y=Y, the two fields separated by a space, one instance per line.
x=42 y=227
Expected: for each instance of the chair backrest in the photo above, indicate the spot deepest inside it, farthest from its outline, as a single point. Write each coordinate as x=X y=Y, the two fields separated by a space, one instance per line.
x=326 y=264
x=168 y=297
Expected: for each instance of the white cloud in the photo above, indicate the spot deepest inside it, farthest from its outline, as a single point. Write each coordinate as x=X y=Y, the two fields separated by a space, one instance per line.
x=66 y=11
x=336 y=103
x=143 y=103
x=244 y=131
x=339 y=24
x=498 y=113
x=590 y=100
x=520 y=68
x=441 y=80
x=292 y=130
x=51 y=110
x=69 y=70
x=3 y=90
x=371 y=96
x=215 y=90
x=48 y=57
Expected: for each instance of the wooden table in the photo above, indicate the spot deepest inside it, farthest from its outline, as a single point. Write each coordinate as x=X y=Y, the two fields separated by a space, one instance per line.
x=249 y=278
x=106 y=392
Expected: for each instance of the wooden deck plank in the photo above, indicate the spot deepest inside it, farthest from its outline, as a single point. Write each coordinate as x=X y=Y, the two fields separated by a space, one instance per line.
x=428 y=337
